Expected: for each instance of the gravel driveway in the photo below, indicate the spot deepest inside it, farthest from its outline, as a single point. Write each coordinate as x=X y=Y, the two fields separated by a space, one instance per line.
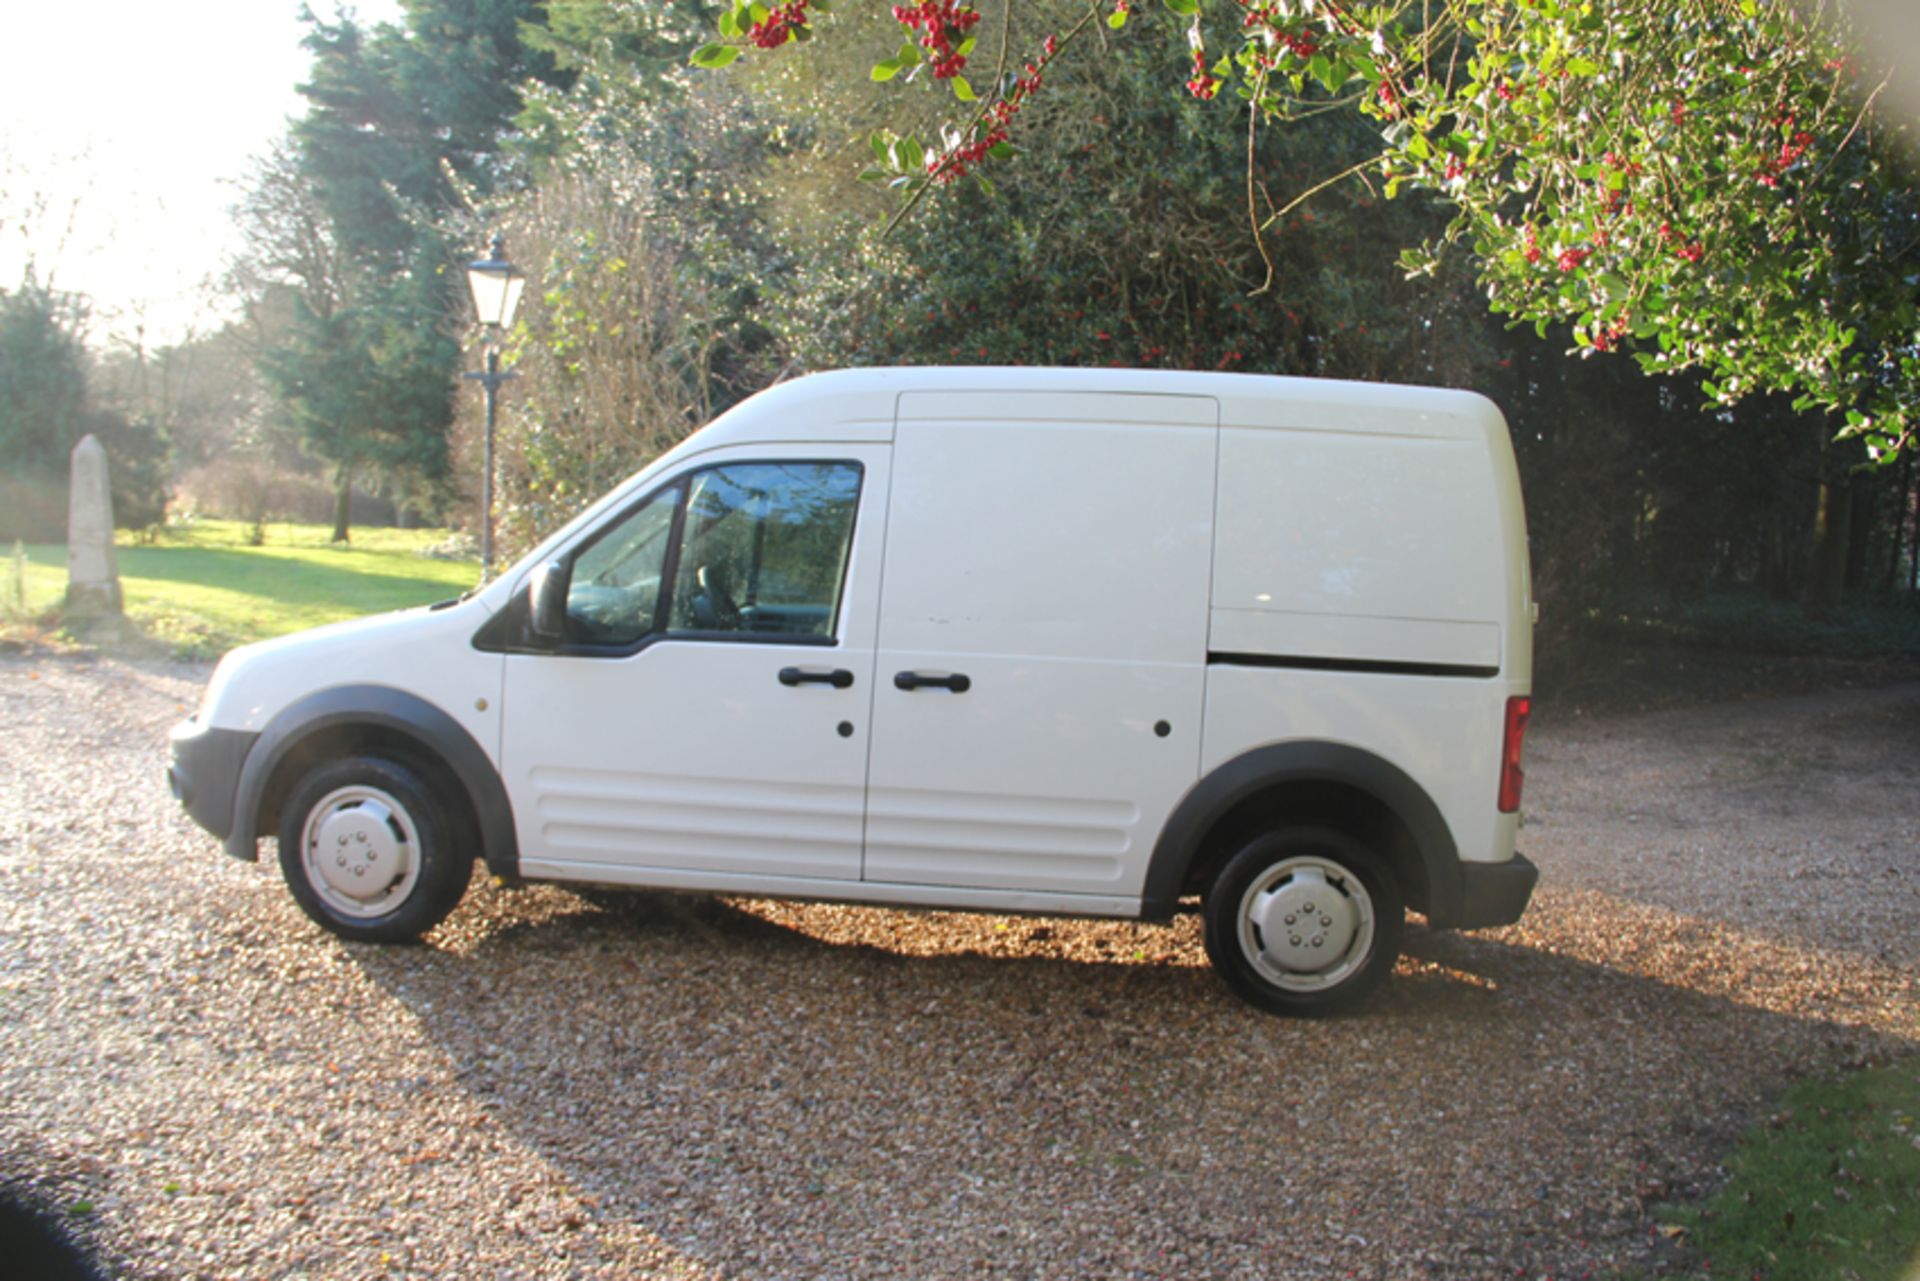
x=1731 y=896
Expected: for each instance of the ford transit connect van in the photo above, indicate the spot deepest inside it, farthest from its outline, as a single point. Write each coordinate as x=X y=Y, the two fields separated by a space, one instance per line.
x=1105 y=643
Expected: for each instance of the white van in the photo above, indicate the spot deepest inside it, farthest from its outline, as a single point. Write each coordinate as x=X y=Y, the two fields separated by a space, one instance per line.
x=1061 y=641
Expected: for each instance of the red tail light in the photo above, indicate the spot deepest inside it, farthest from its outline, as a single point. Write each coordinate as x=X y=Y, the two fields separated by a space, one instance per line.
x=1511 y=776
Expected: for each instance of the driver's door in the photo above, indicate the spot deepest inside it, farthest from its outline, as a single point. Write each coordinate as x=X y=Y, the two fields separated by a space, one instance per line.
x=704 y=714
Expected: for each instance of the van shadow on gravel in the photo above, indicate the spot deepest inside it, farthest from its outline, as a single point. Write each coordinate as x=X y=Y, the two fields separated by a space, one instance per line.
x=747 y=1092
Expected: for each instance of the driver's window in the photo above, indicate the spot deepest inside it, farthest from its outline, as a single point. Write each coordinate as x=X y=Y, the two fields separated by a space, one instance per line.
x=613 y=594
x=764 y=549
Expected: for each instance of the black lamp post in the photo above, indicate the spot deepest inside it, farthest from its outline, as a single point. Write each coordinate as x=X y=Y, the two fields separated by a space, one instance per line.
x=496 y=285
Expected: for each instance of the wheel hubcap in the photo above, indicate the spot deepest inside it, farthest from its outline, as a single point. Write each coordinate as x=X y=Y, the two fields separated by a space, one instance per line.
x=361 y=851
x=1306 y=923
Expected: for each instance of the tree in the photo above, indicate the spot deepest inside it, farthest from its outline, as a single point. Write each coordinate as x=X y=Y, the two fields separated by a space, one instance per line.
x=47 y=407
x=1135 y=250
x=643 y=235
x=43 y=375
x=351 y=213
x=203 y=392
x=1700 y=177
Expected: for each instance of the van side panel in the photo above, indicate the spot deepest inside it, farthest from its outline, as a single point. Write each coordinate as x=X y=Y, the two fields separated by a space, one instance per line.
x=1054 y=550
x=1370 y=588
x=1360 y=545
x=1443 y=731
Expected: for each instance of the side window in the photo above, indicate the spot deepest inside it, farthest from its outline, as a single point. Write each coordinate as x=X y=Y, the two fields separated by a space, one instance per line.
x=763 y=550
x=613 y=596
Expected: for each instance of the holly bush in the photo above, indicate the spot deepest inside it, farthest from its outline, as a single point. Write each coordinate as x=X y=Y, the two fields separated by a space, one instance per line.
x=1703 y=182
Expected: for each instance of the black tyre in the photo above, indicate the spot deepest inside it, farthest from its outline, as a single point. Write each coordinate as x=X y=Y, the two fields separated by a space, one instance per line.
x=1303 y=921
x=368 y=852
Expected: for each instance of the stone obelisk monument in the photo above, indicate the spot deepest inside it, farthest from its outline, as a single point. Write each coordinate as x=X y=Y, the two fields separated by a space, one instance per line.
x=93 y=578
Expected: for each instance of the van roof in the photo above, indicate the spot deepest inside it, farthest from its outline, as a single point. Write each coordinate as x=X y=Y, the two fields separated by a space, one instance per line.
x=861 y=404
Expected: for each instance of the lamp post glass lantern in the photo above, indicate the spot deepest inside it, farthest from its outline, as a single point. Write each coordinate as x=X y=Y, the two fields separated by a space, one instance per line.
x=496 y=285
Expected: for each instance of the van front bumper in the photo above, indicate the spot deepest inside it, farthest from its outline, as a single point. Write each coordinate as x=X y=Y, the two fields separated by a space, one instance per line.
x=205 y=772
x=1495 y=893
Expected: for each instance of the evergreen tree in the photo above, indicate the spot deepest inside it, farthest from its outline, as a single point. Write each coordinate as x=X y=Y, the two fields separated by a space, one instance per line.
x=402 y=123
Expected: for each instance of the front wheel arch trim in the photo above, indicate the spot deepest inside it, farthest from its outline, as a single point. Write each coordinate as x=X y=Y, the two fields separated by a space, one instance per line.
x=379 y=707
x=1184 y=836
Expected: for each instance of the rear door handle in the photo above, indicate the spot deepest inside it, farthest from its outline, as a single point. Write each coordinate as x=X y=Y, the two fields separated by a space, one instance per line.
x=839 y=677
x=958 y=682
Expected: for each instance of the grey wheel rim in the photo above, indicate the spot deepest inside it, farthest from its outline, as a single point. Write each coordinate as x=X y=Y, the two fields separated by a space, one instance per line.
x=360 y=851
x=1306 y=924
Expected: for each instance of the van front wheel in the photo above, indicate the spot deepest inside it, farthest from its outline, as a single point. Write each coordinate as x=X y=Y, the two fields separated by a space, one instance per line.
x=367 y=851
x=1303 y=921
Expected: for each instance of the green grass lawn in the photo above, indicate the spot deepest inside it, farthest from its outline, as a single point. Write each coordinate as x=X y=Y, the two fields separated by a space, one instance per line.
x=1828 y=1186
x=200 y=589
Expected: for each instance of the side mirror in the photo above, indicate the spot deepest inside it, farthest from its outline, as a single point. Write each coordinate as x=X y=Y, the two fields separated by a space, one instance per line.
x=547 y=602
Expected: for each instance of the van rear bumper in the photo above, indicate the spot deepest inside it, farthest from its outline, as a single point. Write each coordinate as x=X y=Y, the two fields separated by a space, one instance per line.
x=1494 y=893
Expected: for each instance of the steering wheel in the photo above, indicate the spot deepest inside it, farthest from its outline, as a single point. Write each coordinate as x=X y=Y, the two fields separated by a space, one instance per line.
x=713 y=606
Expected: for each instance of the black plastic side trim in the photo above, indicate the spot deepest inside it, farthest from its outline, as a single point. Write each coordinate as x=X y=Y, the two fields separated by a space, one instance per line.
x=1374 y=666
x=1214 y=796
x=385 y=708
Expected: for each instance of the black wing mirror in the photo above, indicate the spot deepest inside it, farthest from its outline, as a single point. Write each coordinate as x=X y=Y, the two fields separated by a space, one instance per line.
x=547 y=602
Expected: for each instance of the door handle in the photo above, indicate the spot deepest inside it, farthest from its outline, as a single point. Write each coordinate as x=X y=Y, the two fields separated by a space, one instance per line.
x=958 y=682
x=839 y=677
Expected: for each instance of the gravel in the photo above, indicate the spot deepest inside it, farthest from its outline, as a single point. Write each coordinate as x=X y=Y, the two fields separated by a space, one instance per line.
x=207 y=1085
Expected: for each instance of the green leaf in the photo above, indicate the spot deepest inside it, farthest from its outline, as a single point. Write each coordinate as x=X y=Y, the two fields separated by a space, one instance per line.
x=1185 y=8
x=884 y=71
x=962 y=90
x=966 y=46
x=1117 y=19
x=878 y=142
x=730 y=25
x=986 y=184
x=822 y=6
x=912 y=156
x=758 y=12
x=909 y=55
x=1001 y=151
x=714 y=55
x=874 y=175
x=1582 y=67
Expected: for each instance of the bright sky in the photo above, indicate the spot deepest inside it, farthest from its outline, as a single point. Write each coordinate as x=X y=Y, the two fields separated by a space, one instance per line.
x=129 y=122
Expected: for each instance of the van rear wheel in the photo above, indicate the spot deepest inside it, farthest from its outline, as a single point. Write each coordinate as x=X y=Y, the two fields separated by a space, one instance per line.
x=1303 y=921
x=368 y=852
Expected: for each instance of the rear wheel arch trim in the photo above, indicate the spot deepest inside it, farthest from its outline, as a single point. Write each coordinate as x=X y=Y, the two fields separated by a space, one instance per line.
x=1211 y=799
x=396 y=711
